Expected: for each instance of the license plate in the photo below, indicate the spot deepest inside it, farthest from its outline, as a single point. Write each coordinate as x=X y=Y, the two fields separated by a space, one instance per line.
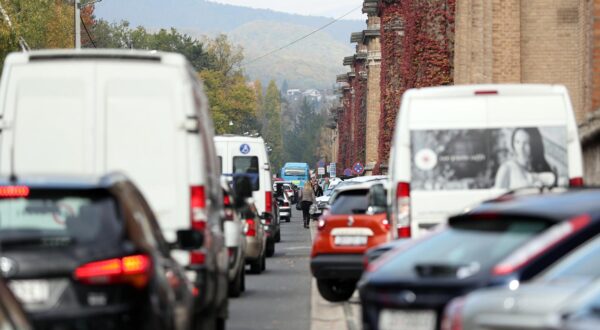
x=350 y=240
x=31 y=291
x=416 y=320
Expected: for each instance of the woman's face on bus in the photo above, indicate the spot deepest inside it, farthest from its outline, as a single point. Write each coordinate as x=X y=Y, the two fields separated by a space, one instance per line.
x=522 y=147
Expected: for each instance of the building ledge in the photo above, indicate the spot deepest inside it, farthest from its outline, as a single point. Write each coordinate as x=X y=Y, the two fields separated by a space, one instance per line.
x=341 y=78
x=356 y=37
x=589 y=129
x=349 y=60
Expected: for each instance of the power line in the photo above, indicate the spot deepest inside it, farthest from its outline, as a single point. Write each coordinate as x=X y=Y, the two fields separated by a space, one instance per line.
x=87 y=31
x=301 y=38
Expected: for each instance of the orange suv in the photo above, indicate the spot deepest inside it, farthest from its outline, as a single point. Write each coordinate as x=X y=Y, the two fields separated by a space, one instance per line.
x=356 y=221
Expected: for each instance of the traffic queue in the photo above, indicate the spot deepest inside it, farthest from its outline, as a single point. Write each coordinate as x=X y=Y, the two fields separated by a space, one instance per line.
x=119 y=208
x=482 y=223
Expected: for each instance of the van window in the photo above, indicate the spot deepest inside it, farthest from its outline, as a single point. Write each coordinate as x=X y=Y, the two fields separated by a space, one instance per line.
x=247 y=166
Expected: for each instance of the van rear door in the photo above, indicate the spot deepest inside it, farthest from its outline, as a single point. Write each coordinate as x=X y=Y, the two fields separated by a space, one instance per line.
x=45 y=125
x=144 y=135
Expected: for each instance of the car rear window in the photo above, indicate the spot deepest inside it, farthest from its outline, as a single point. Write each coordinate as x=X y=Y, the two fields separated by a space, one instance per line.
x=466 y=249
x=350 y=202
x=247 y=166
x=81 y=217
x=582 y=263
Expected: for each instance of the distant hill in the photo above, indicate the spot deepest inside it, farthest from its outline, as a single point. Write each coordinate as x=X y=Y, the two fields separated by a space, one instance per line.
x=311 y=63
x=211 y=17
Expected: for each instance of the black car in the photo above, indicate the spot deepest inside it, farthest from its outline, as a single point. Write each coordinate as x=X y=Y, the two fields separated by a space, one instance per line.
x=499 y=243
x=87 y=253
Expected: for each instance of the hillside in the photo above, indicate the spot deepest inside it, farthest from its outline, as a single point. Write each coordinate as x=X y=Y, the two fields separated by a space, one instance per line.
x=310 y=63
x=210 y=17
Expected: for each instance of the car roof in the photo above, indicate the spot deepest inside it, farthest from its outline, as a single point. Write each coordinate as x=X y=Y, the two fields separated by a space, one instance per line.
x=362 y=186
x=96 y=54
x=555 y=206
x=367 y=178
x=65 y=181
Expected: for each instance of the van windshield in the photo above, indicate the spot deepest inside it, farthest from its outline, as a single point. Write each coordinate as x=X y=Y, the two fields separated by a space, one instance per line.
x=247 y=166
x=295 y=172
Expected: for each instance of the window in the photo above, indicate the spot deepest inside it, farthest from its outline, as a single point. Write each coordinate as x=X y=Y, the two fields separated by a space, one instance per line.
x=351 y=202
x=295 y=172
x=247 y=166
x=81 y=217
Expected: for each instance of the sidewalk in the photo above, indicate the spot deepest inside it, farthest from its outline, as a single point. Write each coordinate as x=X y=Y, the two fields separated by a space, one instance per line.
x=332 y=316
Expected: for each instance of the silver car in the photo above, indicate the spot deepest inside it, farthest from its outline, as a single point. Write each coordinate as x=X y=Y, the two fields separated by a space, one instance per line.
x=566 y=296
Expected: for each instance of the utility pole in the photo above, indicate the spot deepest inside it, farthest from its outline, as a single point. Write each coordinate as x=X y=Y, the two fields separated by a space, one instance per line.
x=77 y=25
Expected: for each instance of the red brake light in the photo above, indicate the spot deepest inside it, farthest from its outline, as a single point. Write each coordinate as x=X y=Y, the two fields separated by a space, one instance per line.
x=198 y=215
x=133 y=270
x=403 y=190
x=197 y=258
x=268 y=202
x=386 y=224
x=250 y=228
x=576 y=182
x=14 y=191
x=488 y=92
x=226 y=200
x=539 y=245
x=404 y=232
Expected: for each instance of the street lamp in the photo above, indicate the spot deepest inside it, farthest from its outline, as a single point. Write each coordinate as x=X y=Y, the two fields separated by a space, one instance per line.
x=78 y=7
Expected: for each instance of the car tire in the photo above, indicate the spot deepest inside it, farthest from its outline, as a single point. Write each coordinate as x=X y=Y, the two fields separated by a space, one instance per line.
x=235 y=286
x=220 y=324
x=264 y=263
x=270 y=248
x=336 y=290
x=278 y=237
x=207 y=322
x=255 y=266
x=243 y=279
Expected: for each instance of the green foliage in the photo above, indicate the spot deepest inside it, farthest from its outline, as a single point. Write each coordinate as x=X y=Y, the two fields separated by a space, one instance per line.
x=271 y=131
x=121 y=35
x=303 y=139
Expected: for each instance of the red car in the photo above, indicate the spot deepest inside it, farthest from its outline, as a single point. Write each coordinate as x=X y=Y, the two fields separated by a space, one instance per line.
x=356 y=221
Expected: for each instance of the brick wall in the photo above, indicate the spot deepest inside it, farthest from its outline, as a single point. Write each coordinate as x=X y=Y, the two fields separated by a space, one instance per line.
x=532 y=41
x=596 y=55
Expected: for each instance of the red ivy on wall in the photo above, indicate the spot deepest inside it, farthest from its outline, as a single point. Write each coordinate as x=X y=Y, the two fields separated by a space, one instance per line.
x=417 y=50
x=359 y=86
x=344 y=132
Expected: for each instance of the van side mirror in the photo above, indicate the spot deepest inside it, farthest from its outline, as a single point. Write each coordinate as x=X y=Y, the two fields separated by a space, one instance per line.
x=189 y=239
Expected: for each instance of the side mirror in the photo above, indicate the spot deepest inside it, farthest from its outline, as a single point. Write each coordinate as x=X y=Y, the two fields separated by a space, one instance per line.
x=189 y=239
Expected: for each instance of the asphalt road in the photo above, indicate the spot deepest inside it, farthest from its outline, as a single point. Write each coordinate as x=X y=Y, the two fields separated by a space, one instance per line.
x=278 y=298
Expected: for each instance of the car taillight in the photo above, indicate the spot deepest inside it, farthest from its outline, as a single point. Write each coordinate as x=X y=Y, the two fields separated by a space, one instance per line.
x=268 y=202
x=226 y=200
x=197 y=258
x=250 y=228
x=286 y=204
x=452 y=319
x=576 y=182
x=134 y=270
x=403 y=209
x=386 y=224
x=198 y=214
x=321 y=224
x=14 y=191
x=539 y=245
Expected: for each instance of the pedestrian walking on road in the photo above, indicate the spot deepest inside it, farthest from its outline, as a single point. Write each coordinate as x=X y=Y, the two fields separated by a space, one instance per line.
x=307 y=198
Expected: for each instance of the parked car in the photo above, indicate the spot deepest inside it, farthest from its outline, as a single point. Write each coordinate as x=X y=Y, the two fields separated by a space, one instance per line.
x=357 y=220
x=375 y=252
x=247 y=156
x=235 y=240
x=498 y=243
x=283 y=193
x=142 y=113
x=455 y=146
x=12 y=315
x=566 y=296
x=89 y=253
x=323 y=202
x=254 y=230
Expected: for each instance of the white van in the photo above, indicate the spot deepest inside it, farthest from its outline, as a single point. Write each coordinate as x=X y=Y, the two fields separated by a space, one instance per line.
x=248 y=156
x=456 y=146
x=138 y=112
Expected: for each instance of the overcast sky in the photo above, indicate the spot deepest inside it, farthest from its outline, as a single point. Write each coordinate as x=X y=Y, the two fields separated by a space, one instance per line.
x=329 y=8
